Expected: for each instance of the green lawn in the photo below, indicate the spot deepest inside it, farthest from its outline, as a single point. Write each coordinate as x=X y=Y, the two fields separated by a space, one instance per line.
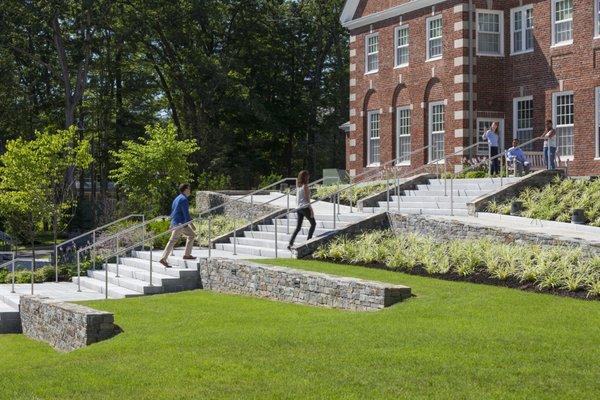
x=452 y=341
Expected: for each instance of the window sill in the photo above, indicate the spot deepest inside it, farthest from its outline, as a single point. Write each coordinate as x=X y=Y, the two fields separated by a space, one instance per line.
x=434 y=59
x=567 y=158
x=372 y=72
x=490 y=55
x=440 y=162
x=562 y=44
x=597 y=159
x=401 y=66
x=403 y=164
x=373 y=165
x=522 y=52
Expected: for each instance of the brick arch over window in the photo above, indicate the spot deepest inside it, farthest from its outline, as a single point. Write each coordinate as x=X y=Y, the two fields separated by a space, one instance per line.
x=400 y=97
x=371 y=102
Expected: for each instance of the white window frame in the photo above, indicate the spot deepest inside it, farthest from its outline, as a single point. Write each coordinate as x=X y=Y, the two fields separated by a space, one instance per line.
x=523 y=29
x=398 y=110
x=597 y=18
x=370 y=113
x=516 y=102
x=430 y=131
x=565 y=42
x=555 y=96
x=598 y=123
x=367 y=54
x=406 y=46
x=429 y=38
x=501 y=33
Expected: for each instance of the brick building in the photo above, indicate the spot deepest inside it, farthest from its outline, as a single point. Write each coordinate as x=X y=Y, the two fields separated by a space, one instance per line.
x=413 y=83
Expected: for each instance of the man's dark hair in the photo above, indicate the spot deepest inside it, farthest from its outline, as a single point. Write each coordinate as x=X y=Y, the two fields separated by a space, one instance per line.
x=183 y=187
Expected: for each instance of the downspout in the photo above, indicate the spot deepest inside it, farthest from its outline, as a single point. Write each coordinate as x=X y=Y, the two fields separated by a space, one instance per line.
x=471 y=122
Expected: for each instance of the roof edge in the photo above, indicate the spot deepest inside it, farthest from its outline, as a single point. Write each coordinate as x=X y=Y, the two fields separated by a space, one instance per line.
x=351 y=6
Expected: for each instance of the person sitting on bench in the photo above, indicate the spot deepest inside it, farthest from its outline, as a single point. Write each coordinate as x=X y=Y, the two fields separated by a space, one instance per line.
x=517 y=156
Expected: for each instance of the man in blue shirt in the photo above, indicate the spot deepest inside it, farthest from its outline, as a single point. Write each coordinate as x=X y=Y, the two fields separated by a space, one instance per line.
x=516 y=156
x=180 y=219
x=493 y=138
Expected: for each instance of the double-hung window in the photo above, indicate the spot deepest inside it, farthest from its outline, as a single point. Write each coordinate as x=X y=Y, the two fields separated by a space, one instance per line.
x=523 y=120
x=434 y=37
x=372 y=53
x=401 y=46
x=521 y=22
x=403 y=129
x=562 y=22
x=598 y=122
x=373 y=129
x=490 y=33
x=437 y=131
x=564 y=113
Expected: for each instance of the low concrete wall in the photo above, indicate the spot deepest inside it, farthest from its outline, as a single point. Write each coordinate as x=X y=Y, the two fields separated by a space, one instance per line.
x=377 y=221
x=537 y=179
x=446 y=229
x=411 y=184
x=296 y=286
x=237 y=209
x=64 y=326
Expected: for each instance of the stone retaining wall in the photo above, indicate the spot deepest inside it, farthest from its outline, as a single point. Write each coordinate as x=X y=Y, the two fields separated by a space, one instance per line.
x=296 y=286
x=446 y=229
x=236 y=209
x=64 y=326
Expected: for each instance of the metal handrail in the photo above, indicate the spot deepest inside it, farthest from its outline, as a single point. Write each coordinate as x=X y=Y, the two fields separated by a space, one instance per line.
x=393 y=162
x=93 y=233
x=12 y=263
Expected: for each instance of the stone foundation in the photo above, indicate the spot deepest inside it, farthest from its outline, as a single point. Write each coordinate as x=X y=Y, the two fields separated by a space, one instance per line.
x=64 y=326
x=296 y=286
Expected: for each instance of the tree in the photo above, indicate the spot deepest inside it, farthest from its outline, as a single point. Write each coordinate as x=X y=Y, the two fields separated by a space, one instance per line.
x=32 y=184
x=149 y=171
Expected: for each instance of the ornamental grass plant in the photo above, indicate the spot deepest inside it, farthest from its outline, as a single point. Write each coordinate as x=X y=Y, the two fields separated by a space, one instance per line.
x=553 y=268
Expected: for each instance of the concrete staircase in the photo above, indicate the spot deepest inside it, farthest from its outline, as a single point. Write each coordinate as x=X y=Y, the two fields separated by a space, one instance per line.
x=260 y=241
x=434 y=198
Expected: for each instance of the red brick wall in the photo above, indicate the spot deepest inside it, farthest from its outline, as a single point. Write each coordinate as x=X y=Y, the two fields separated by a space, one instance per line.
x=499 y=79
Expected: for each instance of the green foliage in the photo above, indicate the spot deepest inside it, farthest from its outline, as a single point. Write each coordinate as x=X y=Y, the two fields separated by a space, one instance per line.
x=267 y=180
x=556 y=267
x=557 y=200
x=40 y=275
x=149 y=171
x=209 y=181
x=33 y=184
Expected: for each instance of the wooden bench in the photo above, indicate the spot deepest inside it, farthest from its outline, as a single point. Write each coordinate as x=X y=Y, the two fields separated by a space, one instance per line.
x=536 y=161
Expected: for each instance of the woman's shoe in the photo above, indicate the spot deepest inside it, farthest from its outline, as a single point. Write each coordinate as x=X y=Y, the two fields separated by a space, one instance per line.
x=289 y=247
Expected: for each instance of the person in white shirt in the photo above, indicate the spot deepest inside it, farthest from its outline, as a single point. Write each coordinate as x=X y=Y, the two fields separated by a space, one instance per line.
x=304 y=208
x=517 y=156
x=550 y=144
x=493 y=139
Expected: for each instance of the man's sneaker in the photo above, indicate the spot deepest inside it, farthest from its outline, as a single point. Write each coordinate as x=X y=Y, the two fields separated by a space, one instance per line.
x=165 y=263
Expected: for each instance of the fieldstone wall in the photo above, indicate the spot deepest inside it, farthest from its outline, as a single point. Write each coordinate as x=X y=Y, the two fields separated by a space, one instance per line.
x=237 y=209
x=446 y=229
x=296 y=286
x=64 y=326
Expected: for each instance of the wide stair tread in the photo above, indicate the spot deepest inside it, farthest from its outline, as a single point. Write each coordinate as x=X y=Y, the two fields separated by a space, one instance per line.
x=114 y=291
x=254 y=251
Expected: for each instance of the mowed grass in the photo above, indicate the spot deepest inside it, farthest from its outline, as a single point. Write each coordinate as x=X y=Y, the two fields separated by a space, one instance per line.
x=452 y=341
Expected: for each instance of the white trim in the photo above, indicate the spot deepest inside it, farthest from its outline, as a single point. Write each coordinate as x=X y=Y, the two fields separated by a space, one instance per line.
x=501 y=32
x=430 y=131
x=352 y=5
x=367 y=54
x=597 y=122
x=397 y=135
x=597 y=18
x=523 y=10
x=553 y=41
x=429 y=38
x=555 y=121
x=396 y=47
x=516 y=101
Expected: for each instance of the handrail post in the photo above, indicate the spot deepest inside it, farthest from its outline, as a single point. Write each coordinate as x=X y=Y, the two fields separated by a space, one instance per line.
x=452 y=196
x=276 y=246
x=209 y=238
x=118 y=258
x=445 y=179
x=32 y=271
x=334 y=201
x=151 y=251
x=387 y=188
x=288 y=210
x=56 y=263
x=143 y=232
x=501 y=170
x=13 y=271
x=106 y=278
x=94 y=243
x=78 y=273
x=234 y=240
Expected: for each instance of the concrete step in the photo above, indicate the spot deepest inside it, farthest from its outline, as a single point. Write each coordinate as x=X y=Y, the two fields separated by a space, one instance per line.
x=169 y=283
x=281 y=229
x=175 y=261
x=127 y=283
x=428 y=199
x=10 y=320
x=476 y=181
x=326 y=225
x=265 y=243
x=462 y=192
x=144 y=263
x=425 y=205
x=438 y=211
x=348 y=218
x=114 y=291
x=271 y=235
x=254 y=251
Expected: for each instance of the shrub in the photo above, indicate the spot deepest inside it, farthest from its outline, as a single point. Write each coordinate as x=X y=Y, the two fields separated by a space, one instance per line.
x=267 y=180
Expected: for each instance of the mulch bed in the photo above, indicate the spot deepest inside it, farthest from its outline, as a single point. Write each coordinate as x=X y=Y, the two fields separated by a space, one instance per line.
x=478 y=277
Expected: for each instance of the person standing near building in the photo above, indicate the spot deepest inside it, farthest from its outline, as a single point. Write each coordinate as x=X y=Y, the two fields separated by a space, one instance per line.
x=493 y=139
x=550 y=144
x=303 y=209
x=180 y=220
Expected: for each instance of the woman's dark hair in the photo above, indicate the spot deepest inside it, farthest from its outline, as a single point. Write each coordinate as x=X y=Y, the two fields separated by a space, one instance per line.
x=302 y=178
x=497 y=126
x=549 y=123
x=183 y=187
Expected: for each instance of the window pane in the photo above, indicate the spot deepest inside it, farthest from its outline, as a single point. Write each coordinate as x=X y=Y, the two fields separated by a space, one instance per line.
x=434 y=34
x=402 y=46
x=372 y=53
x=529 y=30
x=488 y=31
x=373 y=137
x=437 y=131
x=403 y=131
x=525 y=122
x=563 y=17
x=564 y=117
